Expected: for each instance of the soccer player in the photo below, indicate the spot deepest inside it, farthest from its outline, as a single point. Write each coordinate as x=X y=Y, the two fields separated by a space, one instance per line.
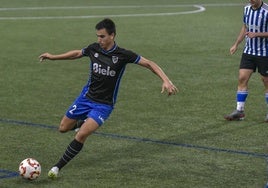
x=98 y=97
x=255 y=54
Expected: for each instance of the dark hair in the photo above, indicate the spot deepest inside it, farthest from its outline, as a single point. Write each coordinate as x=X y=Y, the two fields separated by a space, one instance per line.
x=107 y=24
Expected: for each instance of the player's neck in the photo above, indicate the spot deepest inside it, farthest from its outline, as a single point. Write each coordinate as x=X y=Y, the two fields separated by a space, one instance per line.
x=109 y=47
x=257 y=5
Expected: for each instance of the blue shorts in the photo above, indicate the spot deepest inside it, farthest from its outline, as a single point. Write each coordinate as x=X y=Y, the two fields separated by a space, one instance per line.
x=83 y=108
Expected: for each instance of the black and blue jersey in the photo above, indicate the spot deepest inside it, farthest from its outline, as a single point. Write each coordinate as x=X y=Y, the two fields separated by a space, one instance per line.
x=106 y=70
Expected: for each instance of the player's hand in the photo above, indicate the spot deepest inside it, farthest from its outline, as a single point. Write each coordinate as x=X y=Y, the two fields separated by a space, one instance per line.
x=169 y=87
x=251 y=35
x=233 y=49
x=44 y=56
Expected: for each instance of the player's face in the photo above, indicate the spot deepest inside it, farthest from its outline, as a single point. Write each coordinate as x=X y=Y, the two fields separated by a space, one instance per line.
x=105 y=40
x=255 y=3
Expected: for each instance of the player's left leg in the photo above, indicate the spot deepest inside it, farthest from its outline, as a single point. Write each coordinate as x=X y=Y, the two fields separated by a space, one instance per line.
x=263 y=70
x=87 y=128
x=265 y=83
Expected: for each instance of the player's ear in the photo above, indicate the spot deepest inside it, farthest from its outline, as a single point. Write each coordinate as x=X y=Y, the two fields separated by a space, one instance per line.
x=112 y=36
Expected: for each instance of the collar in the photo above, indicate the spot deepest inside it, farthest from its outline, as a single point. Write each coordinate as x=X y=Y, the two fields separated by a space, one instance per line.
x=111 y=50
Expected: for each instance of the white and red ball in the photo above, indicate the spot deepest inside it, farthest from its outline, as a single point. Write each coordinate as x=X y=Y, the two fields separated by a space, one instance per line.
x=30 y=169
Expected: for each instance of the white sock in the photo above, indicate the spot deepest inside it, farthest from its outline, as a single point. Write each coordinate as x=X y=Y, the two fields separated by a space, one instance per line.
x=240 y=106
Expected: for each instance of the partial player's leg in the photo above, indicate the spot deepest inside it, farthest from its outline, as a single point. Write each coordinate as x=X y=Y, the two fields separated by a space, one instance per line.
x=87 y=128
x=263 y=70
x=241 y=95
x=96 y=113
x=70 y=124
x=78 y=110
x=66 y=124
x=265 y=83
x=78 y=124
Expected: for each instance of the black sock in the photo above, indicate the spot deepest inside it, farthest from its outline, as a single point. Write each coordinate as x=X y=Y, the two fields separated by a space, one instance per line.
x=72 y=150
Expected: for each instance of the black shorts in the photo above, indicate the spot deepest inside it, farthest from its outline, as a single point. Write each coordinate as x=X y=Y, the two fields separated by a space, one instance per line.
x=253 y=62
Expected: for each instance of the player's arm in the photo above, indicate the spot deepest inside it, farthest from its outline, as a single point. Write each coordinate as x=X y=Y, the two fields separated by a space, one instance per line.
x=167 y=84
x=259 y=34
x=73 y=54
x=239 y=39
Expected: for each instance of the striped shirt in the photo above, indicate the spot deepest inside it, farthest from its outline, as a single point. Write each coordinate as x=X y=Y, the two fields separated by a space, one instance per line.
x=256 y=21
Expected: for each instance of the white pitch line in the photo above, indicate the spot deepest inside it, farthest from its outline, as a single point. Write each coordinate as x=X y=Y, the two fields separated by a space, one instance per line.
x=94 y=7
x=198 y=7
x=117 y=7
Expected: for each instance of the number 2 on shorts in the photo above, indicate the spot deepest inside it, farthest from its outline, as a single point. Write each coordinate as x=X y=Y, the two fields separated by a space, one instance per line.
x=73 y=109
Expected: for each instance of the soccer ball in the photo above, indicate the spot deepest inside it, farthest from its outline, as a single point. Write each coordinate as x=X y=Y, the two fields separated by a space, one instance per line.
x=30 y=169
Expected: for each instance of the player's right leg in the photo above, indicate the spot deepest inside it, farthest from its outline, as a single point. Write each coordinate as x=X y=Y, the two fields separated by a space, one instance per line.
x=241 y=95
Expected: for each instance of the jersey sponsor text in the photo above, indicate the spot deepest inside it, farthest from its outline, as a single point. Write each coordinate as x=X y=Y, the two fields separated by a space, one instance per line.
x=100 y=70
